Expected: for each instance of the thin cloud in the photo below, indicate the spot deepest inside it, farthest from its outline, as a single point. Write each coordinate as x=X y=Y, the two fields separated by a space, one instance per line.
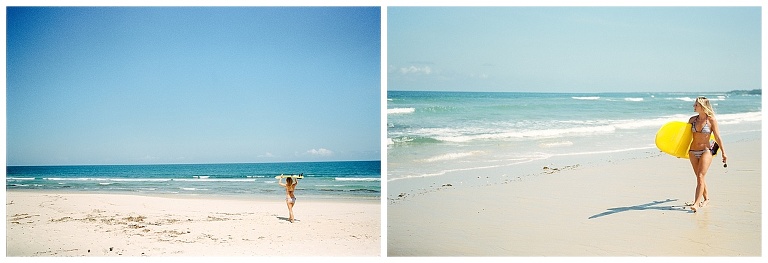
x=416 y=70
x=320 y=152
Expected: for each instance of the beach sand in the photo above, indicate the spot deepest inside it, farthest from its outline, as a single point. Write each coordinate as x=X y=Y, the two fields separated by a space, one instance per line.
x=44 y=223
x=632 y=207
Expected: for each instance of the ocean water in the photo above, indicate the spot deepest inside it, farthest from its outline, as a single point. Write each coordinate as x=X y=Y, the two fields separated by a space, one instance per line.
x=431 y=134
x=334 y=180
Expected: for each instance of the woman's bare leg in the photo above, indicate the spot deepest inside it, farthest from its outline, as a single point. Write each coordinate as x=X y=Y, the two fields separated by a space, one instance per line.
x=695 y=164
x=700 y=167
x=704 y=163
x=290 y=211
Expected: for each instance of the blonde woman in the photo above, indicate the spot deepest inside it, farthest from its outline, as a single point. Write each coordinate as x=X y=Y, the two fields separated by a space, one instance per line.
x=703 y=125
x=290 y=199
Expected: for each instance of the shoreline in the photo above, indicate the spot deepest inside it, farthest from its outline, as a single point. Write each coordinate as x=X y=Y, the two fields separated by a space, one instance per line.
x=239 y=197
x=625 y=207
x=44 y=223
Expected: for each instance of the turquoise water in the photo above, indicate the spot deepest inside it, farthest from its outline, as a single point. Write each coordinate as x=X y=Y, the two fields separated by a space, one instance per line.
x=357 y=179
x=431 y=134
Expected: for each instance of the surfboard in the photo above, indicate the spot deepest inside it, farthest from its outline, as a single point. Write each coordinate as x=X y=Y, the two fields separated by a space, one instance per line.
x=674 y=138
x=296 y=176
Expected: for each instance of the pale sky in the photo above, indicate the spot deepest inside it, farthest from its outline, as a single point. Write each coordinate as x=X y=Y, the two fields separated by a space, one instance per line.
x=574 y=49
x=127 y=85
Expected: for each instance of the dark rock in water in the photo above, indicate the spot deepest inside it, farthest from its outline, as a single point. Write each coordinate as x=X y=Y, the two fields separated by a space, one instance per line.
x=447 y=185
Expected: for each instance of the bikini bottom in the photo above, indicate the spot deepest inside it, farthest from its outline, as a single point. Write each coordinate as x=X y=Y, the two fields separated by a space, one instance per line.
x=699 y=153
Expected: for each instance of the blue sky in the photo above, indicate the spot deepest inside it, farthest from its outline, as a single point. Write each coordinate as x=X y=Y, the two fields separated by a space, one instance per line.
x=192 y=85
x=574 y=49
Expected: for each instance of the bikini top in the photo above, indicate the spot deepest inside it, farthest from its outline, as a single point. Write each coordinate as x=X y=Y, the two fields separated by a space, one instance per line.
x=704 y=129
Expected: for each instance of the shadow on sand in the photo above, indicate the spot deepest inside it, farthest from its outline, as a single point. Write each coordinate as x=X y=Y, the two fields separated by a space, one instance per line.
x=648 y=206
x=287 y=219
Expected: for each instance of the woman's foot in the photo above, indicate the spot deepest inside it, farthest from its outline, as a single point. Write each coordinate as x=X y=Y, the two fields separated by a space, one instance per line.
x=704 y=203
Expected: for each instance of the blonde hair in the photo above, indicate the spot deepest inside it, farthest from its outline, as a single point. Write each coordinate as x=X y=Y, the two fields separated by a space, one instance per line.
x=704 y=102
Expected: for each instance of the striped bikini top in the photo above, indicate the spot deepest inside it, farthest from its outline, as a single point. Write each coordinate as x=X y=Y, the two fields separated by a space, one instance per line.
x=704 y=129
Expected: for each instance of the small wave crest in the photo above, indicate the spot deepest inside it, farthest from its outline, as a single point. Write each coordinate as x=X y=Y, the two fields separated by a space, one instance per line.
x=689 y=99
x=586 y=98
x=530 y=134
x=215 y=180
x=411 y=140
x=401 y=110
x=192 y=189
x=451 y=156
x=364 y=179
x=735 y=118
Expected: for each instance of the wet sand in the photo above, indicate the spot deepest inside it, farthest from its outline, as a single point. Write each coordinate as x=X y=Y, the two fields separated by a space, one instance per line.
x=633 y=207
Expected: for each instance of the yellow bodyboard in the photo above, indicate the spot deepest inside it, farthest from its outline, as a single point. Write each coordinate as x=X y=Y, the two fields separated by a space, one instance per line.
x=674 y=138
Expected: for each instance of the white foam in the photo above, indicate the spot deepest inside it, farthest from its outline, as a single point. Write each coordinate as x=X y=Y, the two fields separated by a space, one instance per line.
x=76 y=179
x=141 y=179
x=633 y=99
x=192 y=189
x=401 y=110
x=358 y=179
x=585 y=98
x=451 y=156
x=556 y=144
x=515 y=162
x=215 y=180
x=736 y=118
x=535 y=134
x=685 y=99
x=20 y=178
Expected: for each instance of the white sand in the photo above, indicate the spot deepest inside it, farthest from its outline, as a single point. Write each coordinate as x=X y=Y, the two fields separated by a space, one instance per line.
x=41 y=223
x=627 y=208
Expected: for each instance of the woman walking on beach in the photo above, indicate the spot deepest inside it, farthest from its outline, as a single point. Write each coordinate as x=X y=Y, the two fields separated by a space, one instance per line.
x=290 y=199
x=703 y=125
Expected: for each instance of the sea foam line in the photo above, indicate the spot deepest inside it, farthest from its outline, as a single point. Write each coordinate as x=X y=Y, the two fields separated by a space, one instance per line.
x=587 y=128
x=549 y=133
x=519 y=161
x=148 y=179
x=465 y=169
x=401 y=110
x=451 y=156
x=20 y=178
x=358 y=179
